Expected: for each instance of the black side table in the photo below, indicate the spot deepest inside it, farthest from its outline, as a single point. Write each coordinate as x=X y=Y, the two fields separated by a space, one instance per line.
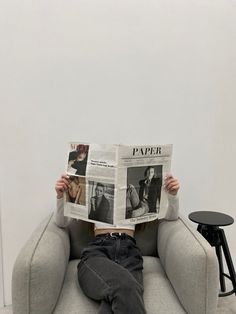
x=208 y=226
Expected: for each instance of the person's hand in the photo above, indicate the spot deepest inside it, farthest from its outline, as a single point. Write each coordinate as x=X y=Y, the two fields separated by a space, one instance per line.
x=62 y=185
x=171 y=185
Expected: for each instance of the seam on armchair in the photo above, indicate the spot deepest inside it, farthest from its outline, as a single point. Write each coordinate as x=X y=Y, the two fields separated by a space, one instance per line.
x=30 y=264
x=206 y=263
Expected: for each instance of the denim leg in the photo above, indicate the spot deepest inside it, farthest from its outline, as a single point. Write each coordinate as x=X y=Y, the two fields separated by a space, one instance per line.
x=103 y=279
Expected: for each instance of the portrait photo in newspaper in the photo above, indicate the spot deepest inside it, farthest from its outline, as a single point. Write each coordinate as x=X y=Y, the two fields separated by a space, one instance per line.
x=101 y=202
x=76 y=192
x=77 y=159
x=143 y=190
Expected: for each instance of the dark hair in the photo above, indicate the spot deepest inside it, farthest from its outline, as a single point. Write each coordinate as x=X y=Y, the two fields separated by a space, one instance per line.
x=101 y=185
x=148 y=168
x=81 y=148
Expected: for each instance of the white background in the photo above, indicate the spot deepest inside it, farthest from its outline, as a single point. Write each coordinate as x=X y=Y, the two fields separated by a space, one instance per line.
x=1 y=266
x=126 y=71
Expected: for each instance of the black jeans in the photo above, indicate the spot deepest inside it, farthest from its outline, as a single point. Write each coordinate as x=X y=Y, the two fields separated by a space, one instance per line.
x=110 y=271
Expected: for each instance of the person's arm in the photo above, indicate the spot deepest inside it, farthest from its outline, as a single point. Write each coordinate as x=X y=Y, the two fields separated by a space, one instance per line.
x=59 y=218
x=78 y=194
x=173 y=207
x=172 y=186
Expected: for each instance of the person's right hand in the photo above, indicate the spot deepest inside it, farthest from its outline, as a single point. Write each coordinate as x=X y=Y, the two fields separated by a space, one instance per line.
x=62 y=185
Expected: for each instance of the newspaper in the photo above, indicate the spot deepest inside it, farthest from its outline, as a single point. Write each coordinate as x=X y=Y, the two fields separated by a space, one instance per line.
x=116 y=184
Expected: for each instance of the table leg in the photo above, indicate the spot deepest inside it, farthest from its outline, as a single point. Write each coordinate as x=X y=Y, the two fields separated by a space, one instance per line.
x=221 y=268
x=228 y=258
x=199 y=228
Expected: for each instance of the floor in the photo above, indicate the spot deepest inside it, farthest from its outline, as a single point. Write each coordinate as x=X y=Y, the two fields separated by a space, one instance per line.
x=226 y=305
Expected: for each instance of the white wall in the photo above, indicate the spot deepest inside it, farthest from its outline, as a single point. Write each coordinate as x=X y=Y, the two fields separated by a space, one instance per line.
x=1 y=266
x=142 y=71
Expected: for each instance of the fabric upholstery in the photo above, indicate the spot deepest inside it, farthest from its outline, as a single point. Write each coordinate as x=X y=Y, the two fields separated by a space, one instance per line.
x=191 y=266
x=183 y=280
x=39 y=270
x=159 y=298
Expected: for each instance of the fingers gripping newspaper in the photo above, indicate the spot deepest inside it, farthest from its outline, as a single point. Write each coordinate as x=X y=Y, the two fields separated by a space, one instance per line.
x=117 y=183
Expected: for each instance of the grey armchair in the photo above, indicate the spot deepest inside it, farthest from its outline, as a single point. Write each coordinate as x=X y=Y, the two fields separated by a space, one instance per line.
x=183 y=279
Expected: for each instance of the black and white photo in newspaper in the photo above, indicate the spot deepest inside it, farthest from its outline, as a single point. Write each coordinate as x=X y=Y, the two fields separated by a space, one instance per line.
x=143 y=190
x=101 y=202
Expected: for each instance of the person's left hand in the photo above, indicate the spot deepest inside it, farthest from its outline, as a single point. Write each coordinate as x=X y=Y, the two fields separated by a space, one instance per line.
x=171 y=185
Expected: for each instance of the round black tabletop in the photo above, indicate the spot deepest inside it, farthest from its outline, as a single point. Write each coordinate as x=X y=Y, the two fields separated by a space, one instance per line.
x=210 y=218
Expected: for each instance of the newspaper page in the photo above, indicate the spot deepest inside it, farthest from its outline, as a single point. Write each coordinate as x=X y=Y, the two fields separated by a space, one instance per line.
x=92 y=172
x=141 y=196
x=116 y=183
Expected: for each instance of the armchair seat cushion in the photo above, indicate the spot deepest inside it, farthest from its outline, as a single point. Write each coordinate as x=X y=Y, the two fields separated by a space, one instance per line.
x=159 y=296
x=72 y=299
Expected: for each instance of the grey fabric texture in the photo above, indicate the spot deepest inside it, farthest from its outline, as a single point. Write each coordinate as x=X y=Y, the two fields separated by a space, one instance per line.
x=191 y=266
x=80 y=232
x=72 y=299
x=159 y=296
x=39 y=270
x=45 y=280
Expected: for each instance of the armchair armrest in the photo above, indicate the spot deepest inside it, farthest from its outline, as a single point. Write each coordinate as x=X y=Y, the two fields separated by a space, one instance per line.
x=191 y=266
x=39 y=270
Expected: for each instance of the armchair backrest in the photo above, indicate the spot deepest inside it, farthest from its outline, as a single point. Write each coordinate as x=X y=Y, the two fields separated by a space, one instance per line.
x=81 y=233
